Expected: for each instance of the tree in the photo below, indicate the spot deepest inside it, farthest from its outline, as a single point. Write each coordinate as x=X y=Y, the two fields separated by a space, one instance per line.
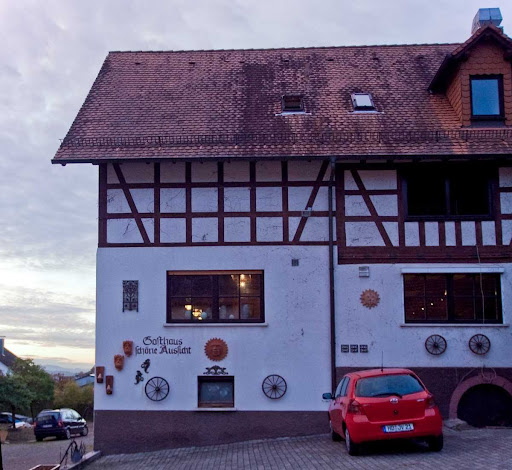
x=38 y=381
x=15 y=394
x=70 y=395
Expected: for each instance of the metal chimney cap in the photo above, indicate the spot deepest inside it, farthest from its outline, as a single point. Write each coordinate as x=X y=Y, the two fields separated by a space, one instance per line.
x=486 y=16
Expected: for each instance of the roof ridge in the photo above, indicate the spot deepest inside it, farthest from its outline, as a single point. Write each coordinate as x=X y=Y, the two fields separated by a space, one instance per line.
x=179 y=51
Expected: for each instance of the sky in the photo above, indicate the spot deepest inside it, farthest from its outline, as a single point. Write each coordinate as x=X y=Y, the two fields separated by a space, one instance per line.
x=52 y=51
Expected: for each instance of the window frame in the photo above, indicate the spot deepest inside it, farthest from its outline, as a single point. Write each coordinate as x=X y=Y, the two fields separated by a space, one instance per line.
x=357 y=108
x=215 y=298
x=214 y=378
x=448 y=171
x=488 y=117
x=301 y=109
x=450 y=296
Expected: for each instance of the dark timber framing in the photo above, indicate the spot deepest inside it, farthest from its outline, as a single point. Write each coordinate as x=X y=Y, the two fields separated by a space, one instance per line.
x=346 y=254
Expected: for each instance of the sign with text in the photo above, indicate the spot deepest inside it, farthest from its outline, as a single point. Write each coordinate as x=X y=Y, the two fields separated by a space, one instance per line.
x=162 y=345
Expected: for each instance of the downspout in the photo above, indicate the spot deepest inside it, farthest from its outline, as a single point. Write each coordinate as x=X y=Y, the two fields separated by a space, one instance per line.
x=331 y=278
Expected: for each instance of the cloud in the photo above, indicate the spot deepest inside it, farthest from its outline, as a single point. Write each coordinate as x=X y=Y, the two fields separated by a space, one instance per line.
x=42 y=319
x=51 y=54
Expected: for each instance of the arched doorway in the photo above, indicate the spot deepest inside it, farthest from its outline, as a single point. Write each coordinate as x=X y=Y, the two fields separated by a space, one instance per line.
x=486 y=405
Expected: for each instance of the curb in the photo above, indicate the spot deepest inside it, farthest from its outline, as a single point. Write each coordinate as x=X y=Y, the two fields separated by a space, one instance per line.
x=86 y=460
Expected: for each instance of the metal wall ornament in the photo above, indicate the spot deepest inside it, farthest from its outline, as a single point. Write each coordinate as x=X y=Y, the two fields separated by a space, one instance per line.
x=435 y=345
x=100 y=374
x=119 y=361
x=216 y=370
x=128 y=348
x=131 y=295
x=216 y=349
x=274 y=386
x=139 y=377
x=145 y=365
x=109 y=384
x=370 y=298
x=157 y=388
x=479 y=344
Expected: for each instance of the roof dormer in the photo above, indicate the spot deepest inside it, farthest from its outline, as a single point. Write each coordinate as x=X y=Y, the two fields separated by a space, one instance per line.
x=476 y=77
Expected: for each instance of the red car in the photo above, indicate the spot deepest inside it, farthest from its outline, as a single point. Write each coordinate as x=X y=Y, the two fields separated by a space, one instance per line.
x=380 y=404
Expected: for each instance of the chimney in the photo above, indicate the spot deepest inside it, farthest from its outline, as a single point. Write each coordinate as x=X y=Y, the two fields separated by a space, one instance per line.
x=486 y=16
x=2 y=339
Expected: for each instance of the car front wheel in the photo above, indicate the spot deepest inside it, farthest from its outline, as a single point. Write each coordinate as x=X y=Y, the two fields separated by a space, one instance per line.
x=435 y=443
x=352 y=447
x=67 y=434
x=84 y=431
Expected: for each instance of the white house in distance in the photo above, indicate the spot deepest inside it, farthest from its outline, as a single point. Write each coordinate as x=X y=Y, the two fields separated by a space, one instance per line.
x=272 y=219
x=7 y=358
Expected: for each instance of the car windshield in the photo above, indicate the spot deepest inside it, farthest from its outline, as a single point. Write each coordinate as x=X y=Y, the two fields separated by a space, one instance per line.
x=48 y=418
x=387 y=385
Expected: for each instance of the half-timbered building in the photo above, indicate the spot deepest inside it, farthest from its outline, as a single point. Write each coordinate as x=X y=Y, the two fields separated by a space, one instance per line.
x=271 y=219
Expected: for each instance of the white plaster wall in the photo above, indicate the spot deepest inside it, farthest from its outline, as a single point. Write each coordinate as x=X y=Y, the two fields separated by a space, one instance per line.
x=268 y=171
x=237 y=199
x=172 y=172
x=173 y=200
x=204 y=200
x=237 y=229
x=205 y=172
x=381 y=328
x=236 y=172
x=294 y=343
x=505 y=176
x=4 y=369
x=269 y=229
x=173 y=230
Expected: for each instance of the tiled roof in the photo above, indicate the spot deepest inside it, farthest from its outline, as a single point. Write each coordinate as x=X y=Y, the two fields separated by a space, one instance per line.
x=227 y=104
x=451 y=60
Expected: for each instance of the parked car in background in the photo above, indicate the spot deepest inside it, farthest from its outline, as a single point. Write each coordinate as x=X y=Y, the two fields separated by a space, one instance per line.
x=61 y=423
x=21 y=421
x=380 y=404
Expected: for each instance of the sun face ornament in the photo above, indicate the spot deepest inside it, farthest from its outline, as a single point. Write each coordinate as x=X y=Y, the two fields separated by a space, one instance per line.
x=216 y=349
x=370 y=298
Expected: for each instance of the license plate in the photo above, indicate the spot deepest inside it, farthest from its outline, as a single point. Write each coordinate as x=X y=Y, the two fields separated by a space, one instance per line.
x=399 y=427
x=47 y=425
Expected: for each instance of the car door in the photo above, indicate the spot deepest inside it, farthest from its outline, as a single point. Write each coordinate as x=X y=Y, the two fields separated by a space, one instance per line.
x=67 y=417
x=336 y=418
x=344 y=398
x=78 y=421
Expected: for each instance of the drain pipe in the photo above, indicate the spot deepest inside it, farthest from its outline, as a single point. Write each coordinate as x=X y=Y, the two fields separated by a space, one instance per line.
x=331 y=279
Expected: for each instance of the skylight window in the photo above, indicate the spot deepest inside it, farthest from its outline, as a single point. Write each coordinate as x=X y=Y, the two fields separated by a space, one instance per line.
x=293 y=104
x=362 y=102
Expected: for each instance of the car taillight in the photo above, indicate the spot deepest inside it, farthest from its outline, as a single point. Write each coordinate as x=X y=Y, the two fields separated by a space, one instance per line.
x=355 y=408
x=60 y=423
x=429 y=402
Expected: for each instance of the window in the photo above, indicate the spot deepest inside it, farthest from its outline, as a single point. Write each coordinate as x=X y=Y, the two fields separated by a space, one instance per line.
x=292 y=104
x=339 y=387
x=452 y=298
x=344 y=387
x=486 y=97
x=216 y=392
x=362 y=102
x=441 y=192
x=387 y=385
x=215 y=297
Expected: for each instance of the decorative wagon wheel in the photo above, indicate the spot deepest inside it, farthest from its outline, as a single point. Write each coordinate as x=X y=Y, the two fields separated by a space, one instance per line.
x=480 y=344
x=157 y=388
x=274 y=386
x=435 y=344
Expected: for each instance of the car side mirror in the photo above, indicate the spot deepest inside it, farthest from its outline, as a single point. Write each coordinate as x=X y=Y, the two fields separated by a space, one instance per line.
x=327 y=396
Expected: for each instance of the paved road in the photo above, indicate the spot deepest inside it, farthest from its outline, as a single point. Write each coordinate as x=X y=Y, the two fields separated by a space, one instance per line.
x=489 y=449
x=22 y=456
